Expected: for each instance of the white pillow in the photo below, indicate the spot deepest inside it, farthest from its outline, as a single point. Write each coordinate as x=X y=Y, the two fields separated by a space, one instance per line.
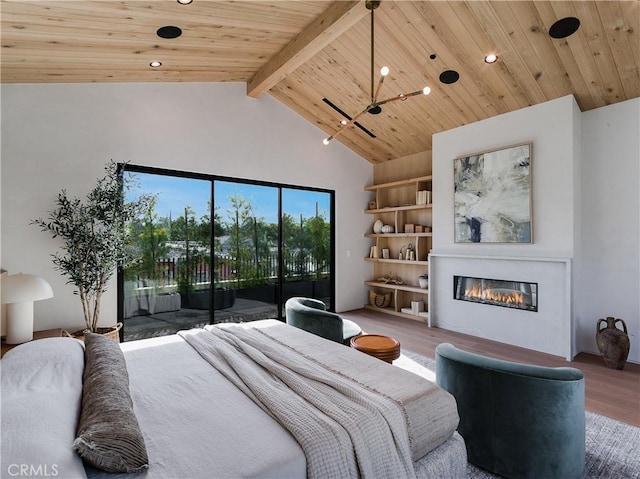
x=41 y=398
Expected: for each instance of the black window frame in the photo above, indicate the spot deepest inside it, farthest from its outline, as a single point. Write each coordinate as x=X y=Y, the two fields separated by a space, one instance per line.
x=132 y=168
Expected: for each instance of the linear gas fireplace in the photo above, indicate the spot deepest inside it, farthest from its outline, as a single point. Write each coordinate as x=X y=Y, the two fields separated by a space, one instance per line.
x=496 y=292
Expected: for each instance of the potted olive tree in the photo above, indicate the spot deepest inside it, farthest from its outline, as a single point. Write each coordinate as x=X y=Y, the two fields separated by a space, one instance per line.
x=94 y=238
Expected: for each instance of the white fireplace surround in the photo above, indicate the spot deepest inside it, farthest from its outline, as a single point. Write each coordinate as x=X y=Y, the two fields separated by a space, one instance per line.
x=549 y=330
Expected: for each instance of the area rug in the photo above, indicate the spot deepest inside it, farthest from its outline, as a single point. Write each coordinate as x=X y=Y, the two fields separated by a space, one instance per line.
x=612 y=447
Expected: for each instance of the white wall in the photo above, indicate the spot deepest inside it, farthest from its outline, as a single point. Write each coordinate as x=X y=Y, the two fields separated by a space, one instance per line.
x=60 y=136
x=550 y=128
x=547 y=330
x=585 y=169
x=609 y=283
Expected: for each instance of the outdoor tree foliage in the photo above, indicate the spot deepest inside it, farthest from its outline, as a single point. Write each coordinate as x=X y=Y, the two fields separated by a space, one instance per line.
x=244 y=245
x=194 y=252
x=150 y=238
x=249 y=242
x=319 y=231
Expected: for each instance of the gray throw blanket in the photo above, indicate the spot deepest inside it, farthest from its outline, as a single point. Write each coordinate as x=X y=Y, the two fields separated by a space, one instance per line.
x=344 y=429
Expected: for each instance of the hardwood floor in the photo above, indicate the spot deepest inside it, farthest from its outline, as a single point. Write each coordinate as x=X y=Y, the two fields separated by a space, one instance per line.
x=609 y=392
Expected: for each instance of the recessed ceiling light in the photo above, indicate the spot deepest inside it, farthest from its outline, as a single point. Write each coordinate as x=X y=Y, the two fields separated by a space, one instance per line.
x=185 y=2
x=169 y=32
x=155 y=64
x=564 y=27
x=343 y=122
x=491 y=58
x=449 y=76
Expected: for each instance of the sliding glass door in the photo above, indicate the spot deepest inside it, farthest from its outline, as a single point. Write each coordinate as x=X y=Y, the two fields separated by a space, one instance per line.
x=168 y=288
x=245 y=251
x=307 y=251
x=215 y=250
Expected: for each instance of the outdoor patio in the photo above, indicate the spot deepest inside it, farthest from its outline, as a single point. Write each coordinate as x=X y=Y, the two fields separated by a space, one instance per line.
x=162 y=324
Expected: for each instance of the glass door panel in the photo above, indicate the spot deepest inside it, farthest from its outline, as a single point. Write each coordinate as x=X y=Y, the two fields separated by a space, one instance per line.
x=307 y=248
x=245 y=252
x=169 y=289
x=240 y=261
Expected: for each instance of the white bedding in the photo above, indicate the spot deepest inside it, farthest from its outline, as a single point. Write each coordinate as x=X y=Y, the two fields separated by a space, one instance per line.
x=195 y=423
x=431 y=412
x=345 y=429
x=41 y=394
x=226 y=435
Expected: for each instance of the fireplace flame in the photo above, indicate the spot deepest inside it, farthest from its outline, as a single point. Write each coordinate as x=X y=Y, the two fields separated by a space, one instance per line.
x=487 y=294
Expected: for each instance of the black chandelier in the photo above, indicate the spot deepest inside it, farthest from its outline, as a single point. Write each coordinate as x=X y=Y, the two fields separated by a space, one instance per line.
x=374 y=107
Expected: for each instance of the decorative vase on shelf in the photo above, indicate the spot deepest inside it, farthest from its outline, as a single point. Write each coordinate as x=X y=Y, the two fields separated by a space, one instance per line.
x=423 y=281
x=377 y=226
x=613 y=343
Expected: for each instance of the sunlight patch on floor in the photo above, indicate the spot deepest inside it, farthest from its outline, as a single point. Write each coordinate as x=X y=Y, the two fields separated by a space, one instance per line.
x=415 y=367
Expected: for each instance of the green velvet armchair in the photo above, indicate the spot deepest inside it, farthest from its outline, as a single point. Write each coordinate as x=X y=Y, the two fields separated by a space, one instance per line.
x=311 y=315
x=517 y=420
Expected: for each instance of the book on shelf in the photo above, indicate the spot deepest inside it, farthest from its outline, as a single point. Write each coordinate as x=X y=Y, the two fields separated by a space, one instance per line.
x=423 y=314
x=423 y=197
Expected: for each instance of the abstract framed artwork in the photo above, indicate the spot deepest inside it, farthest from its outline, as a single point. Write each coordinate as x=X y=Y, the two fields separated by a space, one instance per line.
x=492 y=196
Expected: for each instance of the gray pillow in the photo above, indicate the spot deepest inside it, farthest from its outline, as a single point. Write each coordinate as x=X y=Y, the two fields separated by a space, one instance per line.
x=108 y=436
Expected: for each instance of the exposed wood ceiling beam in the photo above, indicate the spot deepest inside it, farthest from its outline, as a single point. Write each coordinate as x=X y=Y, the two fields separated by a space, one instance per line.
x=338 y=18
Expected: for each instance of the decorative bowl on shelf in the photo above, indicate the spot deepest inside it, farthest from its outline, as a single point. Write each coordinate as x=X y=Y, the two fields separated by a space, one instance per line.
x=377 y=226
x=387 y=229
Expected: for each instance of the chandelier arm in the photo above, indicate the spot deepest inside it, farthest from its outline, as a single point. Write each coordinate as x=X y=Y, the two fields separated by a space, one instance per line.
x=351 y=122
x=375 y=97
x=374 y=106
x=400 y=97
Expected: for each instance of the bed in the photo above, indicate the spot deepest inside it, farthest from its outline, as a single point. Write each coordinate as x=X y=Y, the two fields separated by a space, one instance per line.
x=197 y=423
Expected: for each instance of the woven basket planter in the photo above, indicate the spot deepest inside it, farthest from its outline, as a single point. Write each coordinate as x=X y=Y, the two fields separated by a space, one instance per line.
x=112 y=333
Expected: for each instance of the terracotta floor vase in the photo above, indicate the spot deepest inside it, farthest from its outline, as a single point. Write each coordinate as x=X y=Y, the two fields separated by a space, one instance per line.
x=613 y=343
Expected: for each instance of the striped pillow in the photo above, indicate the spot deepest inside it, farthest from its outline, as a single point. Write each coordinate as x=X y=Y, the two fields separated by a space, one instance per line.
x=108 y=437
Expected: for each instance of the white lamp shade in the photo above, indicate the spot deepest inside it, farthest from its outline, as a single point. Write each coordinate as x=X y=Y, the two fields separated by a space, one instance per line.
x=18 y=292
x=21 y=288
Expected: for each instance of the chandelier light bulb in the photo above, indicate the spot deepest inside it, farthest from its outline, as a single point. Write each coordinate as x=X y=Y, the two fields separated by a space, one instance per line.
x=384 y=71
x=326 y=140
x=426 y=90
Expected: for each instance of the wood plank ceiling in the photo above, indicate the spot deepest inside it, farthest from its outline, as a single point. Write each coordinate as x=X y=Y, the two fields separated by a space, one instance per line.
x=303 y=51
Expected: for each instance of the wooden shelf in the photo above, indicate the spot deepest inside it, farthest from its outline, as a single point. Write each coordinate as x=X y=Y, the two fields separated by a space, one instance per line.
x=398 y=235
x=393 y=312
x=396 y=184
x=392 y=209
x=398 y=287
x=396 y=261
x=395 y=205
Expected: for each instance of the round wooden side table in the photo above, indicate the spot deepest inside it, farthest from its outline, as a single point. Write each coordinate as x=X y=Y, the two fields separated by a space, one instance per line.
x=377 y=345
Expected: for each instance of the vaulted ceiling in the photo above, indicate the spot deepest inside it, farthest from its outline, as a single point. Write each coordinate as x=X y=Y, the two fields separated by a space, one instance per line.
x=302 y=52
